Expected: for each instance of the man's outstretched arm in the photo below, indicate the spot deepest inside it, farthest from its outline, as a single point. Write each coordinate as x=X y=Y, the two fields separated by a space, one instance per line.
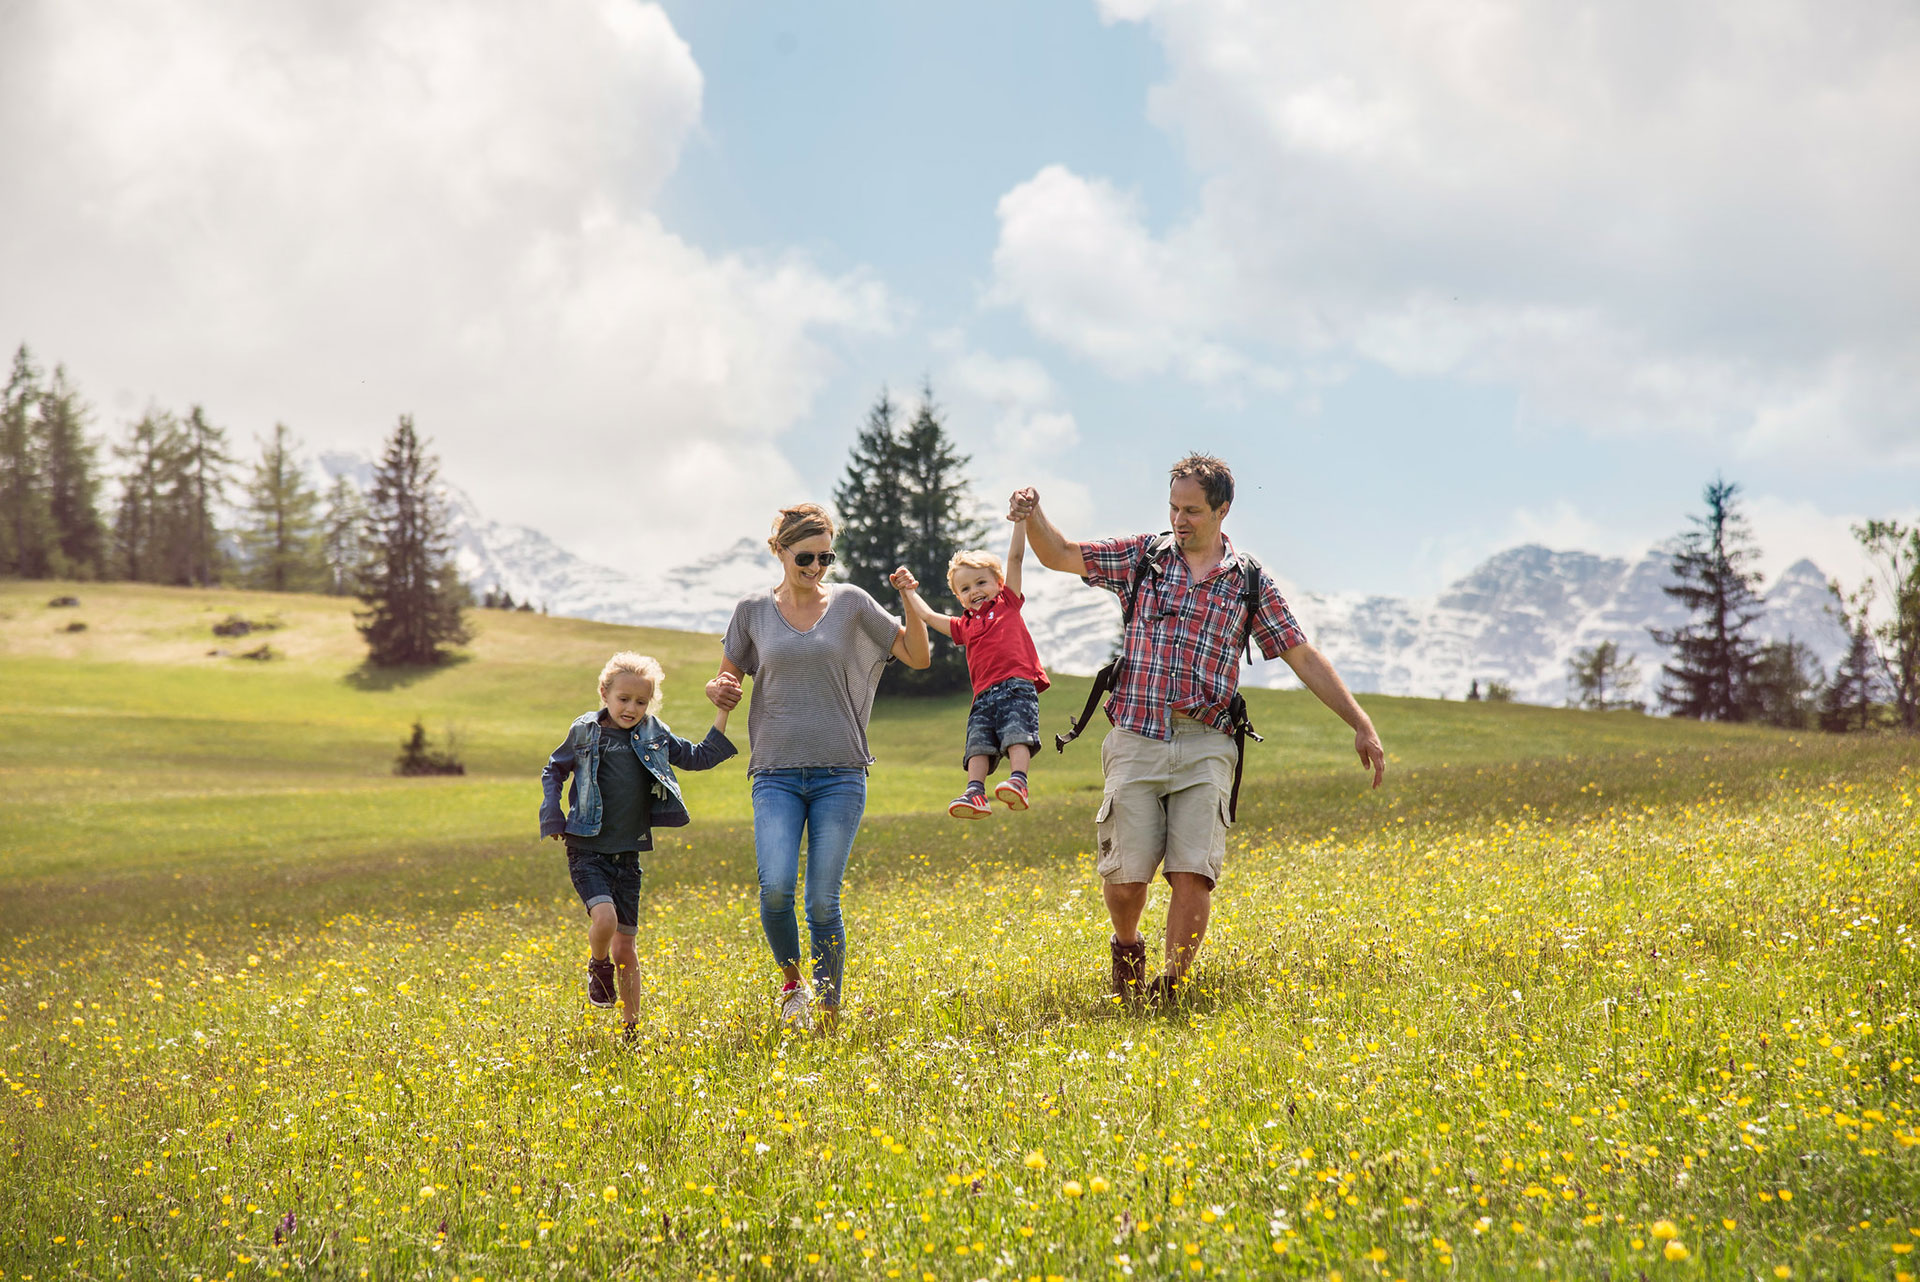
x=1318 y=676
x=1051 y=548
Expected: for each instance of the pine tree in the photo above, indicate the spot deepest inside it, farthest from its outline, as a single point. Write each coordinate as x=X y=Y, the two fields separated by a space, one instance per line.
x=1787 y=683
x=72 y=471
x=193 y=489
x=1847 y=704
x=343 y=537
x=904 y=501
x=407 y=582
x=870 y=503
x=26 y=527
x=280 y=534
x=1711 y=675
x=138 y=526
x=1600 y=677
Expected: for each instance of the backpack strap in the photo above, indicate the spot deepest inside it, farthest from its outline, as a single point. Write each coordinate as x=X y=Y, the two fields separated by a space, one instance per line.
x=1109 y=674
x=1243 y=730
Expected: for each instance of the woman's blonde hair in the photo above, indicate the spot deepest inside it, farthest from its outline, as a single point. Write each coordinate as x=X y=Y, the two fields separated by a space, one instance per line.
x=640 y=665
x=801 y=521
x=976 y=561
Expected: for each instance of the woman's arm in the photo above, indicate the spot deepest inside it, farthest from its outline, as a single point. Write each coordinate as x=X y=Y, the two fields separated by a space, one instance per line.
x=911 y=647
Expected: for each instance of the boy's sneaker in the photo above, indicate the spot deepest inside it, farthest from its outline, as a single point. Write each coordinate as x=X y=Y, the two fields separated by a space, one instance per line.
x=1012 y=793
x=971 y=806
x=1163 y=991
x=600 y=989
x=796 y=1011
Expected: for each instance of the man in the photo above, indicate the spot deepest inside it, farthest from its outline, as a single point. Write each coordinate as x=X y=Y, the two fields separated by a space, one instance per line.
x=1169 y=759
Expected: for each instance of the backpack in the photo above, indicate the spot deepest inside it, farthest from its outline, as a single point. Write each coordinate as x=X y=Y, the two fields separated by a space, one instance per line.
x=1152 y=561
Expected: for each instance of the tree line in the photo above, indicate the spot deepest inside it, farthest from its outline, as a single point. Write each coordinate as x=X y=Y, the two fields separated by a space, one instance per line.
x=171 y=521
x=1717 y=670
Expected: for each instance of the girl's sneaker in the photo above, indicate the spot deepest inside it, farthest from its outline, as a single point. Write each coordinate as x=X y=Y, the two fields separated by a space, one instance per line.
x=971 y=806
x=600 y=990
x=796 y=1011
x=1012 y=793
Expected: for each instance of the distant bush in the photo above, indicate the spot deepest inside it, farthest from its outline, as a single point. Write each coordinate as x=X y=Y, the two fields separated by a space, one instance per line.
x=236 y=626
x=261 y=653
x=1499 y=692
x=63 y=602
x=418 y=756
x=76 y=626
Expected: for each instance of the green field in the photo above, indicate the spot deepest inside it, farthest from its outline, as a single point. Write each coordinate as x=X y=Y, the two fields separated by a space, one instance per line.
x=1575 y=995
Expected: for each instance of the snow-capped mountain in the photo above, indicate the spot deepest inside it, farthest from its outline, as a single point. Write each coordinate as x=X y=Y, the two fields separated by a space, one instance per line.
x=1516 y=618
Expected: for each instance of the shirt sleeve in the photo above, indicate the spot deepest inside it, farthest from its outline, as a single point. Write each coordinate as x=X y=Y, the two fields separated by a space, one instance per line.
x=1110 y=562
x=1274 y=628
x=958 y=630
x=738 y=644
x=873 y=626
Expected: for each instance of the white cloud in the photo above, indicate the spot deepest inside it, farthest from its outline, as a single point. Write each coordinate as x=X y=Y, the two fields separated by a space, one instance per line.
x=1026 y=435
x=1643 y=218
x=328 y=215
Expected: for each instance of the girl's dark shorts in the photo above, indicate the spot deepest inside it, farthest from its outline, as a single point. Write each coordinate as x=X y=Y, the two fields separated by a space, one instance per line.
x=609 y=879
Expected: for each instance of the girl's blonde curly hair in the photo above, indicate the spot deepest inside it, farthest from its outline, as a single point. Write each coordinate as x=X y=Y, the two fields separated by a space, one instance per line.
x=639 y=665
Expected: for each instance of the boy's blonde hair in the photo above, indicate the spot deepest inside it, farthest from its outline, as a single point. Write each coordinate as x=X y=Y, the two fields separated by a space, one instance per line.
x=976 y=561
x=640 y=665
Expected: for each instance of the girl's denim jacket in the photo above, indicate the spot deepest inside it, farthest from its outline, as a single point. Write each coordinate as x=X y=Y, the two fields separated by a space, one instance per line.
x=659 y=750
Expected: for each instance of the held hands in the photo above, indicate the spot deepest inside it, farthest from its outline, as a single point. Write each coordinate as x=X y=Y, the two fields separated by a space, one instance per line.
x=903 y=580
x=1022 y=504
x=724 y=692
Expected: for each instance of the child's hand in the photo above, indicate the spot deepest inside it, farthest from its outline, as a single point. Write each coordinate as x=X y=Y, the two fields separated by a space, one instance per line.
x=1021 y=504
x=903 y=580
x=724 y=691
x=556 y=836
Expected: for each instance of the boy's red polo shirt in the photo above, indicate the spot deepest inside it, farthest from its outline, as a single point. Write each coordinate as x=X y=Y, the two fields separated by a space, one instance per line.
x=997 y=644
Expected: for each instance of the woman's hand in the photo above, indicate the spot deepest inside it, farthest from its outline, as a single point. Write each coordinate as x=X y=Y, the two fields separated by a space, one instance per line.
x=903 y=580
x=724 y=692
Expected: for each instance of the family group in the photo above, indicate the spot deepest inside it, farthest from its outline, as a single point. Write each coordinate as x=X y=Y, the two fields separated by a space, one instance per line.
x=815 y=650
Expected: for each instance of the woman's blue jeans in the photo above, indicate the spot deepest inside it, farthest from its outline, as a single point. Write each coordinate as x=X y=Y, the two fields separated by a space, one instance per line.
x=825 y=804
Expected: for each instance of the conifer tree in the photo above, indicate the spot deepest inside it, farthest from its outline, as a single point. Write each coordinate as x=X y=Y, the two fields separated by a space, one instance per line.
x=407 y=581
x=72 y=475
x=1847 y=703
x=26 y=528
x=1711 y=675
x=138 y=526
x=870 y=503
x=1600 y=677
x=1787 y=682
x=280 y=533
x=193 y=490
x=1894 y=554
x=343 y=537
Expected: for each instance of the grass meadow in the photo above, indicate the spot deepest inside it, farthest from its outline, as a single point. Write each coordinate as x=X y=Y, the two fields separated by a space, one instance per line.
x=1573 y=996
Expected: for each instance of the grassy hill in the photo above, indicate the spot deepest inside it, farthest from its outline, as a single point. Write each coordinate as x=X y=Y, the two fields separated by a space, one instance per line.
x=1574 y=994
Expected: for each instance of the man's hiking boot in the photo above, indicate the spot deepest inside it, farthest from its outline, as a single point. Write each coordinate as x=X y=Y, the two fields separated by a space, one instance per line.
x=1164 y=991
x=1129 y=969
x=1012 y=793
x=973 y=805
x=600 y=990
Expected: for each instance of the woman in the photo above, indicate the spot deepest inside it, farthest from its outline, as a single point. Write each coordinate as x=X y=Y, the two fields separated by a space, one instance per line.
x=815 y=651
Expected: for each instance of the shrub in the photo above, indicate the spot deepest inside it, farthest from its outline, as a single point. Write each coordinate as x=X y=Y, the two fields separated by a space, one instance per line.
x=418 y=756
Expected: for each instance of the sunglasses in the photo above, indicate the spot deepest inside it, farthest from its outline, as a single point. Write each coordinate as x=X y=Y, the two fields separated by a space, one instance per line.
x=804 y=559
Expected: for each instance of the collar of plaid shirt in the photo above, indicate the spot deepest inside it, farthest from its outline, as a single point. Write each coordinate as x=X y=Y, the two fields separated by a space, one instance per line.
x=1182 y=650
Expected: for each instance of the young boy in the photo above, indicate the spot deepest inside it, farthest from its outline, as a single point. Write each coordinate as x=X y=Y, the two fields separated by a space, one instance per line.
x=1004 y=667
x=621 y=758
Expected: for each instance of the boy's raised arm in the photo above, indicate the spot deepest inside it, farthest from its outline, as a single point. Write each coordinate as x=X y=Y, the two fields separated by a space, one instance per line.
x=940 y=623
x=1016 y=553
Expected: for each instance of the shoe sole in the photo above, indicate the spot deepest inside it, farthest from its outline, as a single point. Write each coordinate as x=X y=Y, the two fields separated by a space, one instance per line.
x=1009 y=798
x=961 y=810
x=601 y=1005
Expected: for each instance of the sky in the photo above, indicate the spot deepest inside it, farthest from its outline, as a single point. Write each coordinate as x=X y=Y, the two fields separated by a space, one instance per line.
x=1436 y=279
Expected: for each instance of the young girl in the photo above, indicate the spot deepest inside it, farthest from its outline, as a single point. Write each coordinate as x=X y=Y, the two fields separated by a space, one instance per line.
x=621 y=758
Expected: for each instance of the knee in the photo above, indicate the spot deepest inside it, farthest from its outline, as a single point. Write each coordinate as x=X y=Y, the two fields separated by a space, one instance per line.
x=623 y=951
x=823 y=909
x=600 y=916
x=777 y=892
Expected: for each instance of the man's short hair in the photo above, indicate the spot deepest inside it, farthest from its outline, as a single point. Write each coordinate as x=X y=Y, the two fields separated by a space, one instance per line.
x=1212 y=476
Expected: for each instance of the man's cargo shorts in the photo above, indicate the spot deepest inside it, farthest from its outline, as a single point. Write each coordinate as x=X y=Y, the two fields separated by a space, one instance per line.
x=1166 y=803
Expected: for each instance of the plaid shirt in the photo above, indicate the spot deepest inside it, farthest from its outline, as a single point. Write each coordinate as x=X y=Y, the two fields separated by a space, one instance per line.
x=1182 y=649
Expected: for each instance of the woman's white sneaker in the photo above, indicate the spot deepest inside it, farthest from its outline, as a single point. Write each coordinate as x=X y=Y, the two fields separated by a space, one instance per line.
x=796 y=1010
